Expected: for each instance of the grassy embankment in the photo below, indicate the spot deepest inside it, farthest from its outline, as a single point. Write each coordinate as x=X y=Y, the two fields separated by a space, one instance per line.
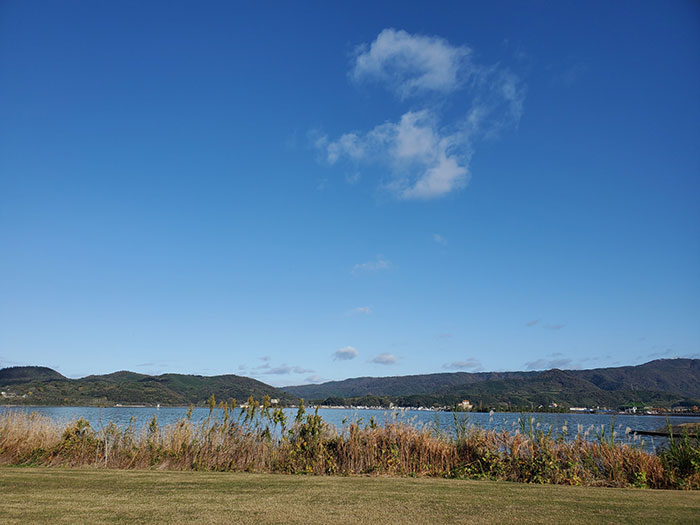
x=60 y=495
x=259 y=439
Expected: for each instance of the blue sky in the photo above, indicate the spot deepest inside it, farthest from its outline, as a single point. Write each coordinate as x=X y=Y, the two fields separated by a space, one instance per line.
x=315 y=191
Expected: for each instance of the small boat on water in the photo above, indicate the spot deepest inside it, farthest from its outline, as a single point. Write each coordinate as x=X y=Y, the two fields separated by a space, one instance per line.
x=692 y=429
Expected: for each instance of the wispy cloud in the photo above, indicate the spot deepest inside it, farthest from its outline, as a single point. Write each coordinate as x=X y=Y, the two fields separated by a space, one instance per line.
x=280 y=370
x=546 y=364
x=353 y=178
x=7 y=362
x=314 y=379
x=385 y=359
x=548 y=326
x=154 y=367
x=380 y=263
x=345 y=354
x=439 y=239
x=427 y=154
x=322 y=184
x=363 y=310
x=660 y=353
x=571 y=74
x=162 y=362
x=283 y=369
x=264 y=366
x=470 y=363
x=554 y=326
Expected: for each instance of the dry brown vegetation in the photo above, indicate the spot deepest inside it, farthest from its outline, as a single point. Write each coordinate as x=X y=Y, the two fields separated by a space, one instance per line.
x=259 y=439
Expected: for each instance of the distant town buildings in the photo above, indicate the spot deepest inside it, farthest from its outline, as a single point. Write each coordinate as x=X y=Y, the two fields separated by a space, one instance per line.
x=12 y=394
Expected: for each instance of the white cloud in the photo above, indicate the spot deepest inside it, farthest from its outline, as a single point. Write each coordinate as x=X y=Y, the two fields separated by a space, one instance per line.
x=365 y=310
x=430 y=163
x=412 y=64
x=439 y=239
x=426 y=154
x=468 y=364
x=344 y=354
x=425 y=161
x=385 y=359
x=314 y=379
x=372 y=266
x=348 y=145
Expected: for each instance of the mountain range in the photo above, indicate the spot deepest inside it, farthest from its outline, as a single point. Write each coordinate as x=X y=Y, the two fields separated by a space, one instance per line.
x=663 y=382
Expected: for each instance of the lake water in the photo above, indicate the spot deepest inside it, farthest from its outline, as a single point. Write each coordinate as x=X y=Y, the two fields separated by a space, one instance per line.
x=588 y=425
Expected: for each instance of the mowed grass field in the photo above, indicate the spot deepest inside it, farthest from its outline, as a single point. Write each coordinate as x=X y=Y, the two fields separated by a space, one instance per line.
x=60 y=495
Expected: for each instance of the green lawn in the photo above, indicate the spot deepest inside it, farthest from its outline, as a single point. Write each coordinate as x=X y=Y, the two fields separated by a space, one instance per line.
x=57 y=495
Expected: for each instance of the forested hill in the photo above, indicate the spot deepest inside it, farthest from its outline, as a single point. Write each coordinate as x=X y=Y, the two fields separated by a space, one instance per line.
x=663 y=382
x=24 y=374
x=44 y=386
x=400 y=385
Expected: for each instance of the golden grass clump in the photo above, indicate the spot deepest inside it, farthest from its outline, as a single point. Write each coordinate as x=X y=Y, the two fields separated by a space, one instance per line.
x=259 y=439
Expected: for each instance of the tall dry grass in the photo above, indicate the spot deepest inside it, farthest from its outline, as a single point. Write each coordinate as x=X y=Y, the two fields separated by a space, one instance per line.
x=259 y=438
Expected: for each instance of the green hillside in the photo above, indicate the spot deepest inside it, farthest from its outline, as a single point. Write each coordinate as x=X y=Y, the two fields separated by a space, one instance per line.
x=666 y=375
x=24 y=374
x=400 y=385
x=43 y=386
x=665 y=382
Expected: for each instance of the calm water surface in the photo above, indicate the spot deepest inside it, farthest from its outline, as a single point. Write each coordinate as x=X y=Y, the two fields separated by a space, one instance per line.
x=588 y=425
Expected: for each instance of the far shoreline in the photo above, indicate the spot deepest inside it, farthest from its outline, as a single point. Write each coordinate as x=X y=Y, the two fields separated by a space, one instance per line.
x=385 y=409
